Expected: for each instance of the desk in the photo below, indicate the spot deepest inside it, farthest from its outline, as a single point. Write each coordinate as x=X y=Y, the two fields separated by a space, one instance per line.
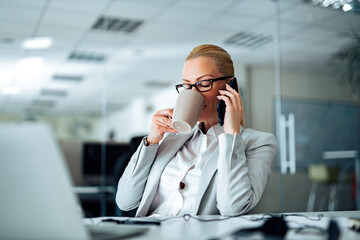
x=178 y=228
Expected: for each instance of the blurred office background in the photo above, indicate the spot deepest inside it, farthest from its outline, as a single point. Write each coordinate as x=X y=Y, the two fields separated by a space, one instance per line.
x=97 y=70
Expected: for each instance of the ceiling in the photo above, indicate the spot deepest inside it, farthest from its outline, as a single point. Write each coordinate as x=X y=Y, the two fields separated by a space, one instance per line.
x=151 y=57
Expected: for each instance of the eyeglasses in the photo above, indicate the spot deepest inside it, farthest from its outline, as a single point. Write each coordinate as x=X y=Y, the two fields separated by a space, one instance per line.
x=201 y=86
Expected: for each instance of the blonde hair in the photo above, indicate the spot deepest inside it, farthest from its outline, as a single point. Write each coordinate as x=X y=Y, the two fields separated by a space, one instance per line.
x=221 y=58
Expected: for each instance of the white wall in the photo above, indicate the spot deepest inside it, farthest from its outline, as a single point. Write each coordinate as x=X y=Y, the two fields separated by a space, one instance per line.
x=135 y=119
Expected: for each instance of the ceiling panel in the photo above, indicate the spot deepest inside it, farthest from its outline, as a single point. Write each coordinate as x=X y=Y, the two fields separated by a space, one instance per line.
x=60 y=31
x=77 y=68
x=20 y=14
x=316 y=34
x=16 y=30
x=259 y=8
x=343 y=21
x=306 y=13
x=24 y=3
x=203 y=5
x=103 y=42
x=186 y=15
x=160 y=33
x=11 y=50
x=263 y=8
x=210 y=34
x=235 y=22
x=132 y=10
x=268 y=26
x=155 y=52
x=84 y=6
x=73 y=20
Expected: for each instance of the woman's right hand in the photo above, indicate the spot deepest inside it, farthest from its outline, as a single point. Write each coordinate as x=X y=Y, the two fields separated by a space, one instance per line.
x=161 y=123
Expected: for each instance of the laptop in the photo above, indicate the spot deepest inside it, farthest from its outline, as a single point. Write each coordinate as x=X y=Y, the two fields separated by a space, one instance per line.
x=36 y=197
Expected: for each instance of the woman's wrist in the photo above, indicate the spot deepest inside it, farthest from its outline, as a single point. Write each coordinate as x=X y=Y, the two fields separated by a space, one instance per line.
x=148 y=141
x=232 y=131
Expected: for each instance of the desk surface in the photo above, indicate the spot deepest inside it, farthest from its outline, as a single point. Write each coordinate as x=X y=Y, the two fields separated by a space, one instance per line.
x=179 y=228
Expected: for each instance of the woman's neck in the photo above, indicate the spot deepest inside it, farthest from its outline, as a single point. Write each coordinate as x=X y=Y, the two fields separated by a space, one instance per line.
x=205 y=126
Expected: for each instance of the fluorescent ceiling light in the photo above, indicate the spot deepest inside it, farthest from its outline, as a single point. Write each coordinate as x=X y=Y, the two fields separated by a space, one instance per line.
x=347 y=7
x=326 y=3
x=6 y=76
x=30 y=65
x=10 y=90
x=37 y=43
x=337 y=5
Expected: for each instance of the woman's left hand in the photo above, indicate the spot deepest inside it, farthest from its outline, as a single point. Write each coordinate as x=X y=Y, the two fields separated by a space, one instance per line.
x=234 y=111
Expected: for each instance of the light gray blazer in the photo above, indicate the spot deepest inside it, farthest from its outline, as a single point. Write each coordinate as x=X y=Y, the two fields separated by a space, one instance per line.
x=231 y=183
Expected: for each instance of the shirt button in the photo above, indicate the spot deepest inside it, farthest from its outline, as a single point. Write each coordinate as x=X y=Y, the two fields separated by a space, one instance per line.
x=234 y=156
x=182 y=185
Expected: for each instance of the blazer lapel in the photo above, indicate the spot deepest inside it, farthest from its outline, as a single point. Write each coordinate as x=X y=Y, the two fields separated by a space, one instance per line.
x=208 y=172
x=210 y=169
x=169 y=146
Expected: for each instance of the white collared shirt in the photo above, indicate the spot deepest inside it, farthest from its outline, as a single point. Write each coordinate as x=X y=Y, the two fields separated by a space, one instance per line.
x=184 y=170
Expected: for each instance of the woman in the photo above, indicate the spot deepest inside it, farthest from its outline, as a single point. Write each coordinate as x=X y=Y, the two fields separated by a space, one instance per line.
x=212 y=170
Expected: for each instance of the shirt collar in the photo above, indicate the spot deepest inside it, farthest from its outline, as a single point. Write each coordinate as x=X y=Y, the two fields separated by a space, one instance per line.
x=217 y=129
x=214 y=130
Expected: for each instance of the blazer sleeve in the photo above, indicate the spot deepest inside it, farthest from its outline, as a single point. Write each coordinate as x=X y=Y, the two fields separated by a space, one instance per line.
x=243 y=171
x=132 y=183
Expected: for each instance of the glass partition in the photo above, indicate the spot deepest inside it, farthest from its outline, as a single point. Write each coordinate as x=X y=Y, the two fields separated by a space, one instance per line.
x=96 y=71
x=318 y=121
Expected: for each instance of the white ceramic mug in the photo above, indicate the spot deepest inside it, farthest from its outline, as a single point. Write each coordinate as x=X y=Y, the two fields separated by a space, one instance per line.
x=188 y=107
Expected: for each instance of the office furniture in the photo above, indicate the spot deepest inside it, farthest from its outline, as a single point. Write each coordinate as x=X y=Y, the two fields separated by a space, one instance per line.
x=322 y=175
x=94 y=181
x=353 y=155
x=179 y=228
x=99 y=159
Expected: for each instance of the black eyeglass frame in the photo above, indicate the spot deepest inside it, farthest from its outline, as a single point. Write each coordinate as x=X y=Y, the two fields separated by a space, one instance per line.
x=190 y=86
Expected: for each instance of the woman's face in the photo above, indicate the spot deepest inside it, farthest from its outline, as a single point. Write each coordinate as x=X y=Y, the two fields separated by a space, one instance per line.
x=203 y=68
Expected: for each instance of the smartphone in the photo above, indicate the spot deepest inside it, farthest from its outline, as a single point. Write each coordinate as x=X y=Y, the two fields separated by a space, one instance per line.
x=221 y=105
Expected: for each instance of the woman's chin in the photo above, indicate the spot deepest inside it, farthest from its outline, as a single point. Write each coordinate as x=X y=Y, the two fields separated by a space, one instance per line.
x=204 y=117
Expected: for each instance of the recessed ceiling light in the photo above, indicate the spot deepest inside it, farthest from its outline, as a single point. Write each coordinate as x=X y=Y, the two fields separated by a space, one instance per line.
x=337 y=5
x=326 y=3
x=344 y=5
x=347 y=7
x=37 y=43
x=31 y=64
